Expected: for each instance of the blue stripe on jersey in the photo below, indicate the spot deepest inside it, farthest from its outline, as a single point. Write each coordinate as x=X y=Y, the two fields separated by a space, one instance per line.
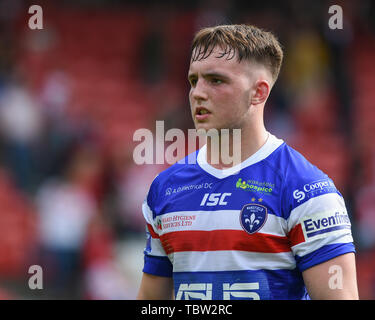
x=240 y=285
x=159 y=266
x=323 y=254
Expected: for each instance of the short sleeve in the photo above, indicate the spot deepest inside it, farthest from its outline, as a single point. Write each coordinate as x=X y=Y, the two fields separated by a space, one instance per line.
x=319 y=227
x=156 y=261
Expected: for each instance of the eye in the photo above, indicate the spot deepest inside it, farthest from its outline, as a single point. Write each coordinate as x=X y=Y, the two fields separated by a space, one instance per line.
x=216 y=81
x=193 y=81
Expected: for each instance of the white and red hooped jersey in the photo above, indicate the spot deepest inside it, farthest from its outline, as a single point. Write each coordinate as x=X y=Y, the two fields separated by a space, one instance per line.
x=247 y=232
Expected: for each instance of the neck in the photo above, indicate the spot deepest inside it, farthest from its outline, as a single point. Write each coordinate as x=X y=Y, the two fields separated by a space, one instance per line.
x=229 y=149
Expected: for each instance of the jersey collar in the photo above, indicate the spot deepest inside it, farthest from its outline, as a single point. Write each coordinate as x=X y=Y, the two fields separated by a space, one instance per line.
x=270 y=146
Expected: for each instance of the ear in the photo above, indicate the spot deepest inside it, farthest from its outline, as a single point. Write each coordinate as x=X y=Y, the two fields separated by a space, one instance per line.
x=261 y=92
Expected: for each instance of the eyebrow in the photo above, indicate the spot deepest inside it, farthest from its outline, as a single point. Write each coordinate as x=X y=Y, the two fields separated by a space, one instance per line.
x=209 y=75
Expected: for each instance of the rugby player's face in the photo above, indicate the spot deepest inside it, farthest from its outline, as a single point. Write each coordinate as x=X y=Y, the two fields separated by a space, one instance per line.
x=220 y=91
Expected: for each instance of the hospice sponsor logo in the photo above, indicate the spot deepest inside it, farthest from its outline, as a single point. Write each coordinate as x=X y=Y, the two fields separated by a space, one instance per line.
x=204 y=185
x=255 y=186
x=324 y=224
x=313 y=189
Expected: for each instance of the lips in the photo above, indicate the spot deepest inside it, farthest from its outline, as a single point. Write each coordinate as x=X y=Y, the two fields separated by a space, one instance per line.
x=201 y=113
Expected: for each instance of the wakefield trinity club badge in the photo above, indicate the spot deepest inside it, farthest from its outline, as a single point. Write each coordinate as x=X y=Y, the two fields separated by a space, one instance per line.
x=253 y=217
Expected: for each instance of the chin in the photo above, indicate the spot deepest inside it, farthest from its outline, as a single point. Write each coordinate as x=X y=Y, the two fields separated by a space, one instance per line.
x=205 y=126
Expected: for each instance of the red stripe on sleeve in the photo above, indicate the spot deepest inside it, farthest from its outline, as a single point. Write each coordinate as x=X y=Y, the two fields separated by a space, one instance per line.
x=154 y=235
x=296 y=235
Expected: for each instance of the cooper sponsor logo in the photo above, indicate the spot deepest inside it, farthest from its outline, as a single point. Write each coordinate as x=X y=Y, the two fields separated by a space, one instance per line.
x=319 y=185
x=314 y=188
x=323 y=223
x=298 y=195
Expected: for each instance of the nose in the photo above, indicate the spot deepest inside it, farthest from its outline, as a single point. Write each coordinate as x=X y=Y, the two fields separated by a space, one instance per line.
x=198 y=92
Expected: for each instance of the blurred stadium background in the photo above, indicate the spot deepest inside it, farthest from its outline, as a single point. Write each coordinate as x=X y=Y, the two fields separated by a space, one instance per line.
x=72 y=95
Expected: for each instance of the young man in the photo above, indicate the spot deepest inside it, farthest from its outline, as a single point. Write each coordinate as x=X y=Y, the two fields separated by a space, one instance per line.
x=271 y=227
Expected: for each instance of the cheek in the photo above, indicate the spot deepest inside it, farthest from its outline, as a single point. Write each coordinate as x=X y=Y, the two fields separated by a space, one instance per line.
x=191 y=100
x=233 y=101
x=190 y=93
x=223 y=96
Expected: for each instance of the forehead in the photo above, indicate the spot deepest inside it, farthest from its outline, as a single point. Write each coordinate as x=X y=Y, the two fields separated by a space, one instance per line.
x=220 y=60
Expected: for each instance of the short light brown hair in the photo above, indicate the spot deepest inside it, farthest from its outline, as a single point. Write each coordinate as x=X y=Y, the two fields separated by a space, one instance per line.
x=247 y=41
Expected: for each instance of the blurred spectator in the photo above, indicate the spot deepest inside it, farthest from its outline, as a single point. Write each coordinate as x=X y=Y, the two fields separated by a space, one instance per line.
x=21 y=123
x=66 y=207
x=130 y=185
x=132 y=190
x=306 y=63
x=103 y=279
x=153 y=64
x=56 y=94
x=59 y=130
x=366 y=216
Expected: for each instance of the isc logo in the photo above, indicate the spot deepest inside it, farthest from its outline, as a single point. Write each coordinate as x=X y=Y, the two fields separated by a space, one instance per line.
x=215 y=198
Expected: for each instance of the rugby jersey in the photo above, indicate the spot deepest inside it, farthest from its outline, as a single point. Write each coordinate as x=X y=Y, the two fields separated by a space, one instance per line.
x=246 y=232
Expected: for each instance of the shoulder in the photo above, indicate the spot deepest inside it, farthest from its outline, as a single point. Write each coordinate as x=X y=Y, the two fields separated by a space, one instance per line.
x=302 y=180
x=293 y=167
x=291 y=164
x=180 y=171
